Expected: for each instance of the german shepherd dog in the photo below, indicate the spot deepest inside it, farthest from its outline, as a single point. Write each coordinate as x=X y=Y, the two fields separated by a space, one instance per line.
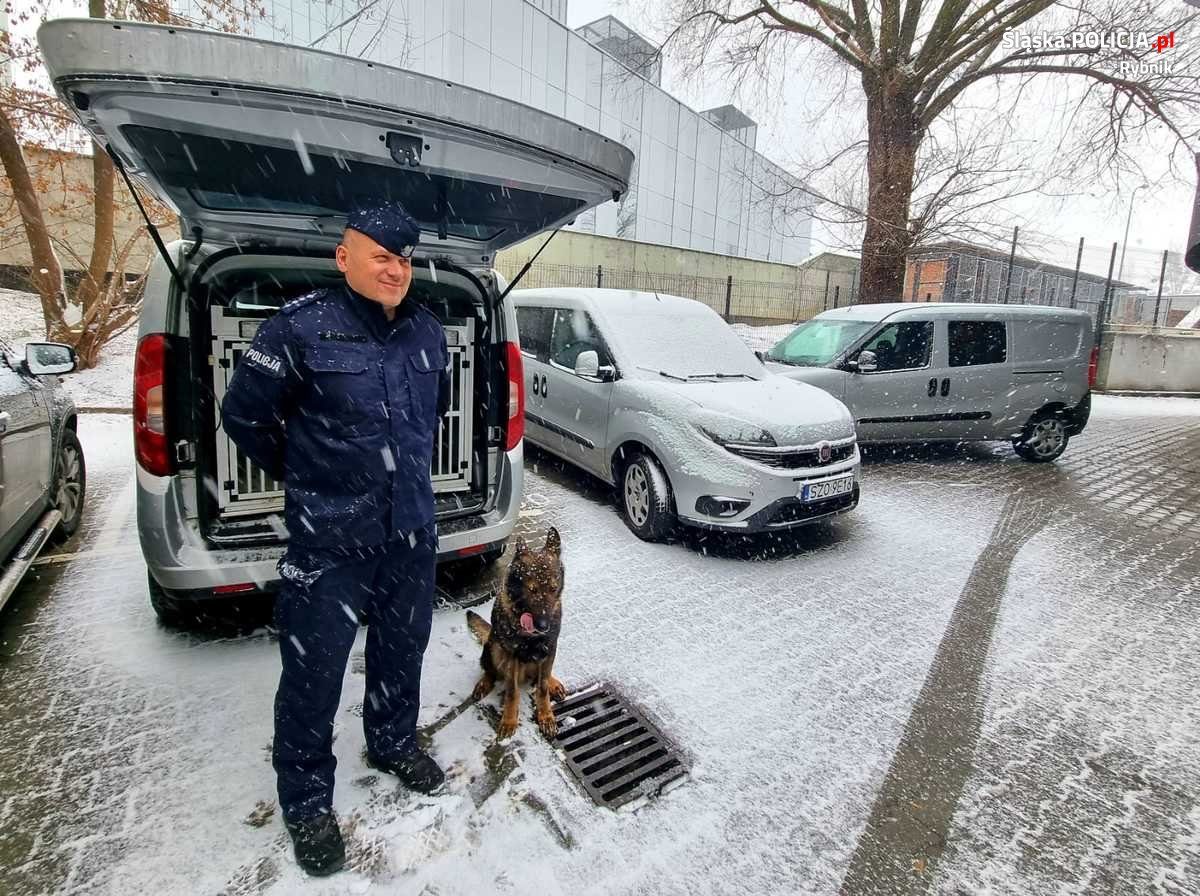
x=520 y=644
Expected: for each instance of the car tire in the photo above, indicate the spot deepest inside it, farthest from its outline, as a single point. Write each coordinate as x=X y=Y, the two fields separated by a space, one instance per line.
x=644 y=493
x=171 y=611
x=1044 y=439
x=70 y=483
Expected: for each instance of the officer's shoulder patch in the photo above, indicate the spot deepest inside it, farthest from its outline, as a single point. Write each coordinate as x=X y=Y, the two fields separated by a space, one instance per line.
x=266 y=363
x=296 y=304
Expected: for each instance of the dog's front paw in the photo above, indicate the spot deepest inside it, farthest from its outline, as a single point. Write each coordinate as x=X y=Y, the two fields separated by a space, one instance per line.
x=548 y=724
x=483 y=687
x=506 y=729
x=557 y=690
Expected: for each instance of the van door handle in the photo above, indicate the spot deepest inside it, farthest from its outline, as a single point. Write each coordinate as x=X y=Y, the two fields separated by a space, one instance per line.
x=4 y=418
x=933 y=387
x=945 y=387
x=545 y=390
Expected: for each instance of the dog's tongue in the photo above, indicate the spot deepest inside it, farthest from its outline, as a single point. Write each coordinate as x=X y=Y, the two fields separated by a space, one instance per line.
x=527 y=623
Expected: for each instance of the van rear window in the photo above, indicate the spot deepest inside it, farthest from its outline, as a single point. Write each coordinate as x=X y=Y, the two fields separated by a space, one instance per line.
x=975 y=342
x=1035 y=341
x=228 y=175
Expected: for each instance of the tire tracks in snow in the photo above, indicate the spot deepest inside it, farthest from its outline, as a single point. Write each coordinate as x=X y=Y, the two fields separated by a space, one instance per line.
x=906 y=831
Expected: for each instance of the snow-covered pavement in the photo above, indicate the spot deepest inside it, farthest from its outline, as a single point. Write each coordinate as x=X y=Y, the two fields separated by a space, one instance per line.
x=982 y=680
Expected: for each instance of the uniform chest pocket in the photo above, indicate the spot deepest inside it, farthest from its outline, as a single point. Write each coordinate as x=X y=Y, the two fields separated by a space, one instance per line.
x=424 y=382
x=346 y=386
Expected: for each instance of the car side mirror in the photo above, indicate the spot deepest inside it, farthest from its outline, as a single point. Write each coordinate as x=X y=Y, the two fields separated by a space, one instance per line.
x=867 y=362
x=49 y=358
x=587 y=364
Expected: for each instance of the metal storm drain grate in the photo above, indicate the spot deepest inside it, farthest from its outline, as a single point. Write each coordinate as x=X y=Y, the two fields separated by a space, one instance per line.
x=616 y=754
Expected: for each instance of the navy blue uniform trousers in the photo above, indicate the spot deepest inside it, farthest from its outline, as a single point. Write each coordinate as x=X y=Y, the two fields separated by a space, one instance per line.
x=324 y=595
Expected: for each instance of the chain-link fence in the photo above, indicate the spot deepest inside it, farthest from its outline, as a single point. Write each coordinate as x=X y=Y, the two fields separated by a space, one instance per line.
x=735 y=299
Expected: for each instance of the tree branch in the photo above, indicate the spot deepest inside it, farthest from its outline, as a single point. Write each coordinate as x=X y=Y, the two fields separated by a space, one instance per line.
x=863 y=30
x=827 y=15
x=958 y=52
x=948 y=16
x=1135 y=91
x=889 y=29
x=908 y=29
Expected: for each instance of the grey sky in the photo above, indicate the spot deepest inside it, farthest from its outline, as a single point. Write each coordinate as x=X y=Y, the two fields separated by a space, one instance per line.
x=1161 y=211
x=1050 y=228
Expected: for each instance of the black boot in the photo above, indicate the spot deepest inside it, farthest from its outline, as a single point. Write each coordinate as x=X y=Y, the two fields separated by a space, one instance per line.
x=318 y=844
x=416 y=770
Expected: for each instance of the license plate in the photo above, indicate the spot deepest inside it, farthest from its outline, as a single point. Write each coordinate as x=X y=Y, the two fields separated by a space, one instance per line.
x=830 y=488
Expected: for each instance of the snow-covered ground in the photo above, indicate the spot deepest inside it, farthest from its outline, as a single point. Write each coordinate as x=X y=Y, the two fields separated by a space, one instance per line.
x=762 y=338
x=107 y=385
x=791 y=672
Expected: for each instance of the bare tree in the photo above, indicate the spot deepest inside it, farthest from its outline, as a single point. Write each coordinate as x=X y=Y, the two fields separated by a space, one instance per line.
x=917 y=62
x=32 y=116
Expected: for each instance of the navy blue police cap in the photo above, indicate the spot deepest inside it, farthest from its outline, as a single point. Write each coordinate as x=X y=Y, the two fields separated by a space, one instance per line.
x=387 y=224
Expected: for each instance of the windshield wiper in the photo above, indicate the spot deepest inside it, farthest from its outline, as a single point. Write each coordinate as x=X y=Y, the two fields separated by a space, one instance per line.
x=720 y=376
x=670 y=376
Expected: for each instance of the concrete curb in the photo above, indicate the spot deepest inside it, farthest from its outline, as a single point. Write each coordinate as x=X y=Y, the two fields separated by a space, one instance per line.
x=104 y=410
x=1129 y=393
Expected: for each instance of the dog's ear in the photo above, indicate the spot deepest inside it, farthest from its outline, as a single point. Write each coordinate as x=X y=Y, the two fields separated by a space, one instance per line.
x=553 y=542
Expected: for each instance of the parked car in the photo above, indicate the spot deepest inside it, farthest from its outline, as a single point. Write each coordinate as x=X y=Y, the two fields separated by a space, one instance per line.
x=656 y=395
x=41 y=463
x=262 y=148
x=952 y=372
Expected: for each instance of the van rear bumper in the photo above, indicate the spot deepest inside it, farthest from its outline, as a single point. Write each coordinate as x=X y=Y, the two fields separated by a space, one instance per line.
x=179 y=560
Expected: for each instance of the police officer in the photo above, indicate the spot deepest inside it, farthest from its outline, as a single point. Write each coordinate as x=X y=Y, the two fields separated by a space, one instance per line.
x=339 y=397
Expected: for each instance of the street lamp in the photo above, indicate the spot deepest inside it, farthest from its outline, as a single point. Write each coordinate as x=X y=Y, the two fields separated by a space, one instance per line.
x=1128 y=218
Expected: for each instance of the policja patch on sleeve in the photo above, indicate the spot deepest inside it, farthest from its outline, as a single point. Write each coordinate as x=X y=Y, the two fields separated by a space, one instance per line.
x=268 y=364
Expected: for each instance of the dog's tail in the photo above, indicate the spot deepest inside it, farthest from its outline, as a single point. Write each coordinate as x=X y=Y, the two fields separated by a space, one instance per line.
x=480 y=629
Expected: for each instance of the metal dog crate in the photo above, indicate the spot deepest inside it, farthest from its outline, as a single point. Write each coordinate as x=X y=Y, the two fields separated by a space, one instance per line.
x=244 y=489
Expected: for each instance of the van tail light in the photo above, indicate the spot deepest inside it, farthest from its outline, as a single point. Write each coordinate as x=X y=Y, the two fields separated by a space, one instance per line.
x=149 y=406
x=1093 y=366
x=515 y=429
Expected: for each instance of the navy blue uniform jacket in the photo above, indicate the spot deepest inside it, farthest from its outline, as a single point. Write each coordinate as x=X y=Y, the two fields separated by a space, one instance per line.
x=342 y=405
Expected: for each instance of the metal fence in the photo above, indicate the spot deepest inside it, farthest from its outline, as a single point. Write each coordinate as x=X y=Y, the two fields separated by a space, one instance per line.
x=764 y=301
x=973 y=278
x=733 y=298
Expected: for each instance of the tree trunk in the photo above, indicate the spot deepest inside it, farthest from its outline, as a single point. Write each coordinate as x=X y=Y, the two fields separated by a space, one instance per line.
x=103 y=224
x=892 y=140
x=87 y=349
x=46 y=272
x=92 y=287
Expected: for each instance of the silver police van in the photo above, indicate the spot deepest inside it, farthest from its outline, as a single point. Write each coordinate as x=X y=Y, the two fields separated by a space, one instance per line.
x=261 y=148
x=657 y=396
x=951 y=372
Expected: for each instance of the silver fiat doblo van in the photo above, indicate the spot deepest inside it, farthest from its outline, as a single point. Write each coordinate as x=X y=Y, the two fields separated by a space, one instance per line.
x=951 y=373
x=261 y=148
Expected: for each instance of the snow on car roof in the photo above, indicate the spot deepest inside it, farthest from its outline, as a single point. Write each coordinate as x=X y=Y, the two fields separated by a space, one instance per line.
x=882 y=310
x=657 y=332
x=614 y=301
